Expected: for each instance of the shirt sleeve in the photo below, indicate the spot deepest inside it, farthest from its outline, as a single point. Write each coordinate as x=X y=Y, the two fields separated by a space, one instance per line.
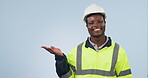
x=62 y=66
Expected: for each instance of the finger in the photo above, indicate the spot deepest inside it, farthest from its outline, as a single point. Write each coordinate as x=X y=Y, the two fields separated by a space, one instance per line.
x=48 y=49
x=52 y=47
x=43 y=47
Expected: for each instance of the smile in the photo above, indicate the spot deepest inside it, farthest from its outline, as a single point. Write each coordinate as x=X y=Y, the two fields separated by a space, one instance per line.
x=98 y=29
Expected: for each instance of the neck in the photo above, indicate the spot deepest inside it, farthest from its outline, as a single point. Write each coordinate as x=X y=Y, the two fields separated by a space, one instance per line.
x=98 y=40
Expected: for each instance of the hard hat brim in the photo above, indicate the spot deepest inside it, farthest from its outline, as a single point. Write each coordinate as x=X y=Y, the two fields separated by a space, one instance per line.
x=86 y=16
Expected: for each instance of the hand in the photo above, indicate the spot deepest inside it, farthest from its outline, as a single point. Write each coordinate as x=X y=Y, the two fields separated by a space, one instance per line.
x=53 y=50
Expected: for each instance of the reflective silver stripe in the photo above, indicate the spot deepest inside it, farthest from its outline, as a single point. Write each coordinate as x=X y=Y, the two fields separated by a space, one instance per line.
x=115 y=56
x=96 y=72
x=126 y=72
x=68 y=74
x=79 y=56
x=79 y=70
x=72 y=67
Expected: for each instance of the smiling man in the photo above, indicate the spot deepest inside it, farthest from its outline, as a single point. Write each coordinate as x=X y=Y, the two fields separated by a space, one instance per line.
x=97 y=57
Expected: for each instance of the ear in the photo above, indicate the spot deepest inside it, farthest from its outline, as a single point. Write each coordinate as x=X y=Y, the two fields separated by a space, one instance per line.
x=105 y=22
x=86 y=25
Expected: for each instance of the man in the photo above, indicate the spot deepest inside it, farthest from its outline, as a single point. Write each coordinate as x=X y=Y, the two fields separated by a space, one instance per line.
x=97 y=57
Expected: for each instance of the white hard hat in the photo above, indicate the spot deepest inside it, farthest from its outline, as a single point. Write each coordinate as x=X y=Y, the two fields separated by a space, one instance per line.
x=93 y=8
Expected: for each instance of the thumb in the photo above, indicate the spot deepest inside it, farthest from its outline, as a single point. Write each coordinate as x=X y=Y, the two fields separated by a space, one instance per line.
x=52 y=47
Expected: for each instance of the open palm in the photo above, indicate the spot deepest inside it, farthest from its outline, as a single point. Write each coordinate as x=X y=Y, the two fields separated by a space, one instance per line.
x=53 y=50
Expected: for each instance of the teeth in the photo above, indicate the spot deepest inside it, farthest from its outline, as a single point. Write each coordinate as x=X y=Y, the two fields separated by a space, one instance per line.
x=97 y=29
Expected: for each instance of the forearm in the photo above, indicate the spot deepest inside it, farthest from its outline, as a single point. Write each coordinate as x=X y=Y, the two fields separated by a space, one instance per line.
x=62 y=66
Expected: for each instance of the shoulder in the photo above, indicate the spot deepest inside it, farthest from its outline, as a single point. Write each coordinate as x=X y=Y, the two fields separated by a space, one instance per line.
x=72 y=55
x=121 y=51
x=74 y=50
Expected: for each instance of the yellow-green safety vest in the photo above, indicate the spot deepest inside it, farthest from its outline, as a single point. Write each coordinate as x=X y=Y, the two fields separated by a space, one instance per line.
x=109 y=62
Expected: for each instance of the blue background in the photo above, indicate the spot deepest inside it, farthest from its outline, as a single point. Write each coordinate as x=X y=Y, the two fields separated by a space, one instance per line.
x=26 y=25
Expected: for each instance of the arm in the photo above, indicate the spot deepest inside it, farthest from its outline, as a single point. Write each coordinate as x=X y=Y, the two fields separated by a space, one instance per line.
x=122 y=66
x=62 y=66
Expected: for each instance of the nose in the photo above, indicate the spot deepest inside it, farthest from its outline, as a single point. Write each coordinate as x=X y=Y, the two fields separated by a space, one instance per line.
x=96 y=24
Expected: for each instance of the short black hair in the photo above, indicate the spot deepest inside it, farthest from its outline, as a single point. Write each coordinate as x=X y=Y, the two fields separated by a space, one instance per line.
x=104 y=17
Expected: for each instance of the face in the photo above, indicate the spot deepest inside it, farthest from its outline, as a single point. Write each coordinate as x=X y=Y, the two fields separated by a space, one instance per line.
x=96 y=25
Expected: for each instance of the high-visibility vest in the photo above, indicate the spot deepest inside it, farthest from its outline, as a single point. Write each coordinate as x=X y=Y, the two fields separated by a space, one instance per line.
x=109 y=62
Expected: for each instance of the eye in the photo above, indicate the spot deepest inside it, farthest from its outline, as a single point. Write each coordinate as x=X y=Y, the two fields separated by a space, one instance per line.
x=100 y=21
x=90 y=23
